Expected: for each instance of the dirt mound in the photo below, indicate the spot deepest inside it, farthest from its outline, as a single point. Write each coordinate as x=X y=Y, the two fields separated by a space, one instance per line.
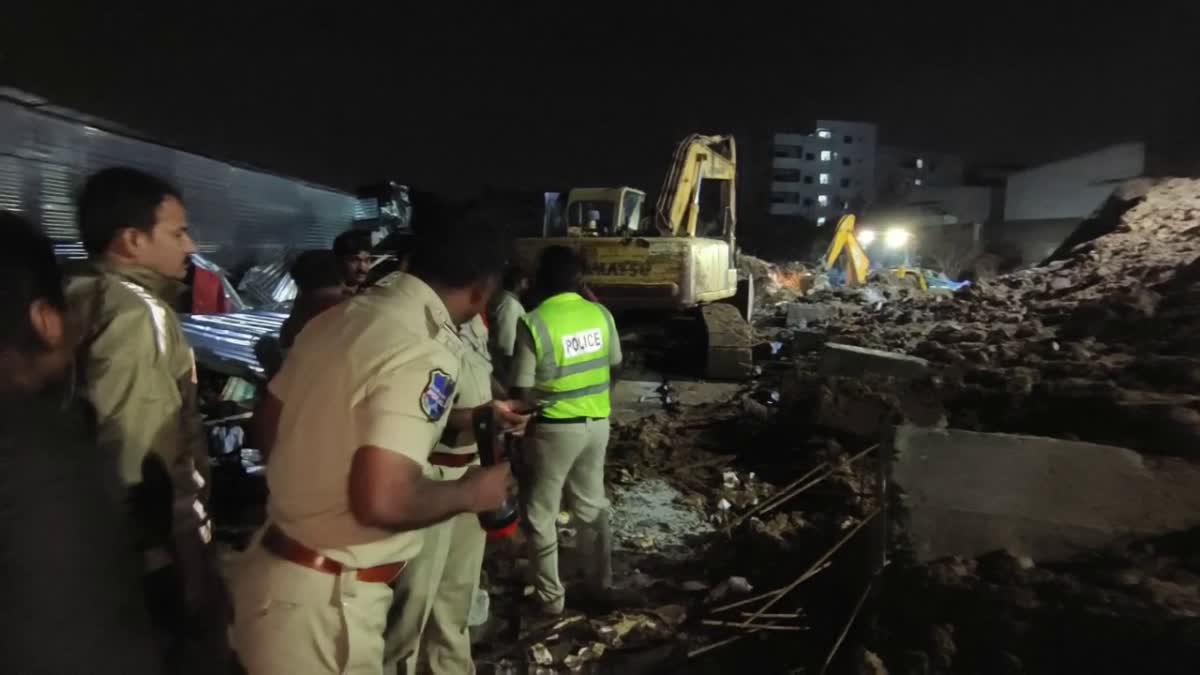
x=1123 y=611
x=1103 y=345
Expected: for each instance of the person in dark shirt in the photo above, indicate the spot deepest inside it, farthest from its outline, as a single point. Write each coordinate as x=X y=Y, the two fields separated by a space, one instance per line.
x=318 y=276
x=353 y=249
x=70 y=599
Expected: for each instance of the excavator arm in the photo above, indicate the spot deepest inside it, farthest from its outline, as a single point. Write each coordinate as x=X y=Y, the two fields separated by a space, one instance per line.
x=857 y=264
x=698 y=158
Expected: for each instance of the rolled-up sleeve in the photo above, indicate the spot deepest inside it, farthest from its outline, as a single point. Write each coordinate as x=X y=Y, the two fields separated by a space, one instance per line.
x=524 y=367
x=405 y=406
x=508 y=318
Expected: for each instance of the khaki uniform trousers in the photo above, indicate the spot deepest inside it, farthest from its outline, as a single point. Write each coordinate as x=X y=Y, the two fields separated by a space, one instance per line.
x=561 y=458
x=428 y=621
x=290 y=619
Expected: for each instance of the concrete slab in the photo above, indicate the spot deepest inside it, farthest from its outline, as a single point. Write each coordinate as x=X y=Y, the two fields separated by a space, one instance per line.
x=969 y=493
x=801 y=315
x=842 y=359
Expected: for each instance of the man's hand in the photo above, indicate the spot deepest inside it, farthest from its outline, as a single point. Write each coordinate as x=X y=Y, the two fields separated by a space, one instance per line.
x=488 y=486
x=512 y=415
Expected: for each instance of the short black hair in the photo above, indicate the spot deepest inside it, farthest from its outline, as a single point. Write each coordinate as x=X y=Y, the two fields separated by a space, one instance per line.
x=559 y=270
x=458 y=253
x=117 y=198
x=28 y=272
x=513 y=277
x=351 y=242
x=315 y=270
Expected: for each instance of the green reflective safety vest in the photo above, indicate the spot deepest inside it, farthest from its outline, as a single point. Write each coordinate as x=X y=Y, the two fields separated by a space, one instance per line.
x=571 y=338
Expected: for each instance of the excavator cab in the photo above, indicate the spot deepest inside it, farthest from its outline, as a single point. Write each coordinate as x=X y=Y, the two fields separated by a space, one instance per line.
x=600 y=212
x=680 y=258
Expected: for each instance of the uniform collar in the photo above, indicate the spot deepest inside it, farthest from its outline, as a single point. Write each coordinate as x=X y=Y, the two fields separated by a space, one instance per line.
x=162 y=287
x=436 y=313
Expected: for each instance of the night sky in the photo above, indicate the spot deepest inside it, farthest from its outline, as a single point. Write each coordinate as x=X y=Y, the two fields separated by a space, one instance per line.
x=452 y=101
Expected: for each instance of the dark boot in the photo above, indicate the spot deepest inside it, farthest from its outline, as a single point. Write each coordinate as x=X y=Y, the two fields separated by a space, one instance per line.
x=595 y=545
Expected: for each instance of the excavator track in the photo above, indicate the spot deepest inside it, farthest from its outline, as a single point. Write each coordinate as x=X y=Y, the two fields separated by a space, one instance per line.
x=728 y=355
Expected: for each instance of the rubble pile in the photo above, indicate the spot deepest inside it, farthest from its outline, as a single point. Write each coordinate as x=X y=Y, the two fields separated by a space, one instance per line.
x=774 y=283
x=1130 y=610
x=1102 y=345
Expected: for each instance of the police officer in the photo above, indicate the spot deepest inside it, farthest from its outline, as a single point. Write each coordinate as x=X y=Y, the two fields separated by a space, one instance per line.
x=565 y=350
x=69 y=576
x=503 y=317
x=350 y=420
x=434 y=596
x=139 y=374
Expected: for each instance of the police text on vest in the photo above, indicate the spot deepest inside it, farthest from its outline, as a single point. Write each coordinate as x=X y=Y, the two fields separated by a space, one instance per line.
x=583 y=342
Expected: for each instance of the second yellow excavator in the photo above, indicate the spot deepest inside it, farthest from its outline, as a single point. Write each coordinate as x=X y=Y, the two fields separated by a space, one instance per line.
x=679 y=259
x=855 y=263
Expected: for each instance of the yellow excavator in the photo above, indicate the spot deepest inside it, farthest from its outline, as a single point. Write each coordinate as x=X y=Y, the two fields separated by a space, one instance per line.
x=855 y=263
x=677 y=260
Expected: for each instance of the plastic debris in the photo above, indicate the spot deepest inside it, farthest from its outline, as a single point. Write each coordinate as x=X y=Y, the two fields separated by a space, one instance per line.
x=672 y=615
x=539 y=654
x=872 y=296
x=731 y=586
x=730 y=479
x=591 y=652
x=724 y=504
x=480 y=607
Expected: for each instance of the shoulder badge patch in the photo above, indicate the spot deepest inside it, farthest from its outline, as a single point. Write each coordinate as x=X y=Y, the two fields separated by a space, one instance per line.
x=436 y=397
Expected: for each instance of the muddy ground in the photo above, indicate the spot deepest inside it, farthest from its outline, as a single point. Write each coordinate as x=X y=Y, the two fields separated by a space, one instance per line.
x=1100 y=344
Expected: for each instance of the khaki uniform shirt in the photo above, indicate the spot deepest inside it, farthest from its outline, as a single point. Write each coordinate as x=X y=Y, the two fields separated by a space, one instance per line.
x=503 y=320
x=138 y=372
x=474 y=384
x=380 y=369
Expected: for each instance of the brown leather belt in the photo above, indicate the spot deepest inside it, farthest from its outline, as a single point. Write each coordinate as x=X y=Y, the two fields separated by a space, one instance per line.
x=283 y=546
x=451 y=459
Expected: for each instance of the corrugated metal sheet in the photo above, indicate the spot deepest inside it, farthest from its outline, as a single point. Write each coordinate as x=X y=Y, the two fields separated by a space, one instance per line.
x=225 y=342
x=57 y=201
x=12 y=184
x=239 y=217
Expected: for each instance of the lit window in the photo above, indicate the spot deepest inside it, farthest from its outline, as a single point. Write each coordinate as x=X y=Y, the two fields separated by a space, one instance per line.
x=826 y=155
x=823 y=200
x=920 y=163
x=824 y=179
x=917 y=181
x=820 y=221
x=824 y=133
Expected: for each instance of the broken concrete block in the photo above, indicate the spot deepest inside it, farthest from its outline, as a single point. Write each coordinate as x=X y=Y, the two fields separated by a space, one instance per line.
x=729 y=355
x=841 y=359
x=800 y=315
x=804 y=341
x=968 y=493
